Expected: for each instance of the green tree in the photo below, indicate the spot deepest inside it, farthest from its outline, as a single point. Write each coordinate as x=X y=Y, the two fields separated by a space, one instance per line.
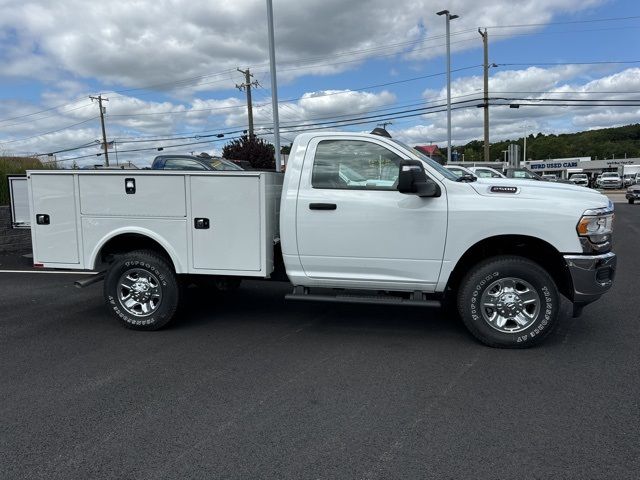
x=256 y=151
x=286 y=150
x=17 y=166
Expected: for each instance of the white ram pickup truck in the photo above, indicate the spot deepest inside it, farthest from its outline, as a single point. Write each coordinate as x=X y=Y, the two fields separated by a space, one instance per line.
x=356 y=218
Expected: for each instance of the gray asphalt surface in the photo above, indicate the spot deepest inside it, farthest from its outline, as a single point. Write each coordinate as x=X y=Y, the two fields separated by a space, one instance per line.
x=253 y=387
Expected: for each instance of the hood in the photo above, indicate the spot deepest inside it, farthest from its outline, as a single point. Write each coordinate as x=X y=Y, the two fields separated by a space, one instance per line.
x=539 y=190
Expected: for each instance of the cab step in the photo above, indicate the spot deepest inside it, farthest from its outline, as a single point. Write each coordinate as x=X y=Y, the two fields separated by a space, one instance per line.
x=413 y=299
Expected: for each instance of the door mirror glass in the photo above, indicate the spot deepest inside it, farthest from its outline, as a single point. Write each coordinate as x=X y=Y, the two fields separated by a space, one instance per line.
x=413 y=181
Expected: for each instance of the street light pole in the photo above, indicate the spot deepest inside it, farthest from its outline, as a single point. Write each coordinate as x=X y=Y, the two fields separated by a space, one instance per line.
x=448 y=18
x=274 y=85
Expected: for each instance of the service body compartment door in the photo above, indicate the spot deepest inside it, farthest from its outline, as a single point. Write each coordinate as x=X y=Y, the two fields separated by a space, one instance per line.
x=149 y=195
x=225 y=219
x=19 y=200
x=53 y=219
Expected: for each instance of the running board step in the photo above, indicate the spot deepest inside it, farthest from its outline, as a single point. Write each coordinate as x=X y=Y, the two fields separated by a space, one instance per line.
x=366 y=299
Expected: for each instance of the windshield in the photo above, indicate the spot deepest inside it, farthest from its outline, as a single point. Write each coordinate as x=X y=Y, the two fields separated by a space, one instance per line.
x=609 y=175
x=524 y=174
x=429 y=161
x=221 y=164
x=485 y=173
x=579 y=175
x=457 y=171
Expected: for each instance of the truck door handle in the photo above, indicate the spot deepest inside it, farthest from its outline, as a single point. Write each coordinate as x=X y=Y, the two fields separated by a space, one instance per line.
x=201 y=223
x=322 y=206
x=43 y=219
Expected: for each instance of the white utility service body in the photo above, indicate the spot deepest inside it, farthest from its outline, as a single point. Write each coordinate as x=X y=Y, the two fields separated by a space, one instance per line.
x=91 y=208
x=354 y=212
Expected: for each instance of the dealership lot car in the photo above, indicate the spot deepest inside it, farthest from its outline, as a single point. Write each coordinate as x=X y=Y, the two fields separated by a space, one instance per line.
x=486 y=172
x=633 y=193
x=580 y=179
x=609 y=180
x=629 y=179
x=193 y=163
x=459 y=171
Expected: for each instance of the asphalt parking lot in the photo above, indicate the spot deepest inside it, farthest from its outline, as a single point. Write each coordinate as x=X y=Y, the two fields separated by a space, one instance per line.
x=250 y=386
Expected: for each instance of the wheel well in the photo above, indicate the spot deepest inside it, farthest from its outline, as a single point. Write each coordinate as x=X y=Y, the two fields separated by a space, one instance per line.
x=128 y=242
x=536 y=250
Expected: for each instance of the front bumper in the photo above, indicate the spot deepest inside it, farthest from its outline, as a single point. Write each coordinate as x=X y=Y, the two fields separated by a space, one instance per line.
x=592 y=275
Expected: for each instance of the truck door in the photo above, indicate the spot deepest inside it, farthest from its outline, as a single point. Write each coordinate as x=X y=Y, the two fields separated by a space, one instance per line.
x=354 y=227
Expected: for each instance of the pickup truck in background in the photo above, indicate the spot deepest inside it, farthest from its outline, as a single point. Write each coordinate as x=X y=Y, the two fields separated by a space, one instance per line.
x=609 y=180
x=356 y=218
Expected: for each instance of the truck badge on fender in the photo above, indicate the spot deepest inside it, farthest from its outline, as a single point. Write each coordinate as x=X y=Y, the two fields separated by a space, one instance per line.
x=498 y=189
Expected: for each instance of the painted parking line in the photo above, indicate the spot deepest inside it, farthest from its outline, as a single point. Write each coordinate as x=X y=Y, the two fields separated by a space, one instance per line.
x=48 y=271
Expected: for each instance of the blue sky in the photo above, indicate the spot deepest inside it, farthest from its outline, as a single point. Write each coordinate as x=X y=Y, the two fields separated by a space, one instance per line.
x=168 y=68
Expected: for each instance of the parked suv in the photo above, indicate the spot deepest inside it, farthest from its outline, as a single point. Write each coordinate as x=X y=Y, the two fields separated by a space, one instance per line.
x=609 y=180
x=633 y=193
x=190 y=162
x=580 y=179
x=486 y=172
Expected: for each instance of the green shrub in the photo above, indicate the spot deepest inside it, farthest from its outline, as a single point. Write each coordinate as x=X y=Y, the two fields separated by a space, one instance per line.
x=256 y=151
x=17 y=166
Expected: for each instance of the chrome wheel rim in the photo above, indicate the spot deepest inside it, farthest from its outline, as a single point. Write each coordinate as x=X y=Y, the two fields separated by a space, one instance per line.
x=139 y=292
x=510 y=305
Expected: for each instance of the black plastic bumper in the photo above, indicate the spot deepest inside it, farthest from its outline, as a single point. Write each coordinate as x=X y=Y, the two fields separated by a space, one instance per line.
x=592 y=276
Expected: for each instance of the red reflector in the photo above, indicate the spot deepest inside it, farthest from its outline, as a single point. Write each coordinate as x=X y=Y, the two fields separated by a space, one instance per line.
x=38 y=265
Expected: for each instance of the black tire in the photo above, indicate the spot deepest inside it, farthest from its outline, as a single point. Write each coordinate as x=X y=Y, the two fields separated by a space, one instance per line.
x=153 y=283
x=631 y=201
x=525 y=320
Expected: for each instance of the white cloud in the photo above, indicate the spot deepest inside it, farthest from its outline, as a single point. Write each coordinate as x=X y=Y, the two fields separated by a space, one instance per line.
x=76 y=47
x=532 y=84
x=153 y=42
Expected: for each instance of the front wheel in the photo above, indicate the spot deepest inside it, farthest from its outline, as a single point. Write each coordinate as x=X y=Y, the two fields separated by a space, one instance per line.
x=508 y=302
x=631 y=200
x=141 y=289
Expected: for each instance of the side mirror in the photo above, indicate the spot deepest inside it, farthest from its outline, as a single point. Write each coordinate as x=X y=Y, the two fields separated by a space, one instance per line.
x=413 y=181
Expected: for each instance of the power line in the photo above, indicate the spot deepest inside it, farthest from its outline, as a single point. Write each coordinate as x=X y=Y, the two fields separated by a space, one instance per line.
x=546 y=64
x=42 y=111
x=338 y=119
x=568 y=22
x=50 y=132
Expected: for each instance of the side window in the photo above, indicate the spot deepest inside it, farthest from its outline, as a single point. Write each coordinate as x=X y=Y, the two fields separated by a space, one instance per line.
x=354 y=164
x=182 y=164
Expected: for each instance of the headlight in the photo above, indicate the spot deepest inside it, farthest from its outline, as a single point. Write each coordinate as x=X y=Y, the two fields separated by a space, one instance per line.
x=595 y=228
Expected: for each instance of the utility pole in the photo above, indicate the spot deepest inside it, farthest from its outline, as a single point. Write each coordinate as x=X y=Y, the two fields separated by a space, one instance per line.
x=485 y=42
x=247 y=86
x=104 y=134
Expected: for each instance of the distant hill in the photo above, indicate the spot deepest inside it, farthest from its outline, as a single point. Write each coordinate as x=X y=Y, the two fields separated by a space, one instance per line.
x=600 y=144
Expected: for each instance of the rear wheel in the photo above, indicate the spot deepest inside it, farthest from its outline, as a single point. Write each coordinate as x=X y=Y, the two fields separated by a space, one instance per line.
x=508 y=302
x=141 y=289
